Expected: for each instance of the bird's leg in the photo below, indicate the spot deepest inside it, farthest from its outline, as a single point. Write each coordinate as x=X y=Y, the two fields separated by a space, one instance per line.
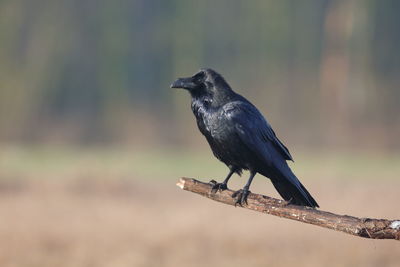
x=221 y=186
x=243 y=193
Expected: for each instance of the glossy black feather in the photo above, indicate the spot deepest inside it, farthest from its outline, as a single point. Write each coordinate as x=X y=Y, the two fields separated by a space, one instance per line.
x=240 y=136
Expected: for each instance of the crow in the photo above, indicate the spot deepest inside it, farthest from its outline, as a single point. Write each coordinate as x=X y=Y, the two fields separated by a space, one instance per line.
x=241 y=137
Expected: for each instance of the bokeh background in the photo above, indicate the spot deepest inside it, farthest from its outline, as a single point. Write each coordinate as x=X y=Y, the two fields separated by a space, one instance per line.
x=93 y=139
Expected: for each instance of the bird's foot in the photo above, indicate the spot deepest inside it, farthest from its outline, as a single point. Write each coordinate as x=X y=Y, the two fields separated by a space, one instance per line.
x=217 y=186
x=241 y=196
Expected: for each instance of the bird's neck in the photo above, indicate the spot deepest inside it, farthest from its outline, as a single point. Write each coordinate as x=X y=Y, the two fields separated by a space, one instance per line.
x=201 y=105
x=221 y=98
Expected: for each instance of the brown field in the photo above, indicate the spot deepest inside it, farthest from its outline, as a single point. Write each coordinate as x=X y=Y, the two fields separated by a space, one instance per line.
x=88 y=210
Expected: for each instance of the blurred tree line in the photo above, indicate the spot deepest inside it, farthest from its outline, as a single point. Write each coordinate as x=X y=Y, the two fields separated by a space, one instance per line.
x=325 y=72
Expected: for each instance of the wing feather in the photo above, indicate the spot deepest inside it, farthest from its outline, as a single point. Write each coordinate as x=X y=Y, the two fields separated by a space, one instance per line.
x=254 y=131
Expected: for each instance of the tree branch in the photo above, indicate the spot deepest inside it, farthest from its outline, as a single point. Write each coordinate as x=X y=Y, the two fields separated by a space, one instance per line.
x=362 y=227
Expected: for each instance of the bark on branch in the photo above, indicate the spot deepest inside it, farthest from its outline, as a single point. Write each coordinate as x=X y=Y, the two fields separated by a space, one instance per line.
x=362 y=227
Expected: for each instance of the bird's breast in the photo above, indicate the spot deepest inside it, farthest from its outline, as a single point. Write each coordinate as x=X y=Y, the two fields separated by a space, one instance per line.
x=222 y=137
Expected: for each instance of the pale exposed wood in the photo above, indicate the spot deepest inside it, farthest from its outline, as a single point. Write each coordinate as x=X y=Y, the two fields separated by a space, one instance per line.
x=363 y=227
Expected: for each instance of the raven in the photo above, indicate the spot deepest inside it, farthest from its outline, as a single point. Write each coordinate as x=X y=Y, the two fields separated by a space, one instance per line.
x=241 y=137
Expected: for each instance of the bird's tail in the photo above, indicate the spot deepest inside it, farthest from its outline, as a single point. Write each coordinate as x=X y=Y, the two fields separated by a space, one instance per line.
x=290 y=188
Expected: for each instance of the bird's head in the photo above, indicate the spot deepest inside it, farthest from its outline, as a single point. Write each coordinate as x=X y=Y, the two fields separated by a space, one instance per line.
x=204 y=82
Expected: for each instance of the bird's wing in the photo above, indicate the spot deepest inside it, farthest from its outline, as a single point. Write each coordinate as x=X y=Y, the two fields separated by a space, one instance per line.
x=254 y=130
x=281 y=147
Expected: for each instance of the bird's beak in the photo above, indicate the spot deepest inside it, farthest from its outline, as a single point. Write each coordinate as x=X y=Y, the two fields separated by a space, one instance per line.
x=185 y=83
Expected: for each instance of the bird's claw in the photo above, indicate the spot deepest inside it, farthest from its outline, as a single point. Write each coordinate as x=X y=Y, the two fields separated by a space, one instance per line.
x=241 y=197
x=217 y=186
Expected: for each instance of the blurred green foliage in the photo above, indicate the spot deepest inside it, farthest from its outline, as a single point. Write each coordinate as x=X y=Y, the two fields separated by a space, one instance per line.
x=88 y=71
x=75 y=163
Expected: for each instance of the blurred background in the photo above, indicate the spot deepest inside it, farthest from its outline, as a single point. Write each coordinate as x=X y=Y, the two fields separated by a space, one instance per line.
x=92 y=139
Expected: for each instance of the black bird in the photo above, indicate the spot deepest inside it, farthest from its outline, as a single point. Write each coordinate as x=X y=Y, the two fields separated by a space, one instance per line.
x=241 y=137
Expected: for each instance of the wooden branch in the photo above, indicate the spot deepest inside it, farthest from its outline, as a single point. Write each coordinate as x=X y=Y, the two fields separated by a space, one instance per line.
x=362 y=227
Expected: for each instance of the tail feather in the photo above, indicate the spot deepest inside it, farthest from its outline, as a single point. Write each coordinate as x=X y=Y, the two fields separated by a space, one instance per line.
x=297 y=195
x=290 y=188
